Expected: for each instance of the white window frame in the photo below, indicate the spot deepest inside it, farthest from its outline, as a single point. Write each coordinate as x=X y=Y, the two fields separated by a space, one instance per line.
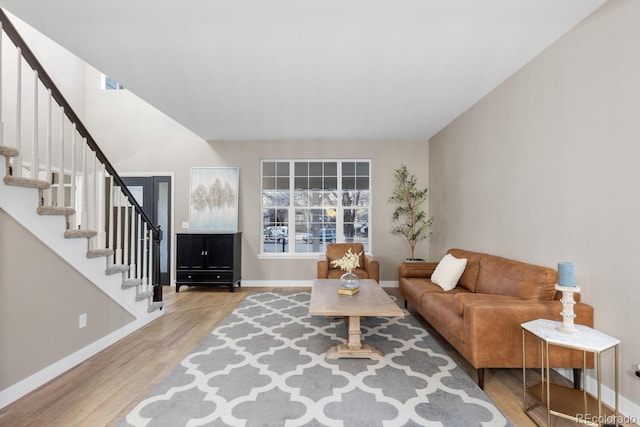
x=291 y=217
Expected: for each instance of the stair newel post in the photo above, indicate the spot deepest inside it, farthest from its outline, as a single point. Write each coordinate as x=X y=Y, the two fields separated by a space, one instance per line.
x=17 y=160
x=60 y=201
x=155 y=279
x=35 y=161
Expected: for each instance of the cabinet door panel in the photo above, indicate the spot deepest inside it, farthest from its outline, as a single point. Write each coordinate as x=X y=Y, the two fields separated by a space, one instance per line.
x=183 y=252
x=225 y=252
x=198 y=251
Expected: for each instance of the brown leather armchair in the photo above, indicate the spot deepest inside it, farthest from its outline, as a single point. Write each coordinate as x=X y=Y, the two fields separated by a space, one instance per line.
x=369 y=266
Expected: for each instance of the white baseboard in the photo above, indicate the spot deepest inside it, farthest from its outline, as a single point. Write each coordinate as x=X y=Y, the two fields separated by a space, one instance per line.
x=18 y=390
x=294 y=283
x=627 y=408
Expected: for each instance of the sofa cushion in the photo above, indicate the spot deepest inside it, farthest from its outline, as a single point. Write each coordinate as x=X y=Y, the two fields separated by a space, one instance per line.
x=502 y=276
x=461 y=298
x=439 y=310
x=413 y=288
x=470 y=276
x=448 y=272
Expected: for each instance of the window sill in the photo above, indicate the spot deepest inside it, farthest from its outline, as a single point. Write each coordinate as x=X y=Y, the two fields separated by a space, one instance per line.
x=281 y=255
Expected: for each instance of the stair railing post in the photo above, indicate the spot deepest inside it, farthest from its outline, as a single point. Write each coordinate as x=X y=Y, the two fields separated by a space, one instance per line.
x=157 y=286
x=74 y=174
x=110 y=222
x=17 y=161
x=142 y=243
x=35 y=162
x=126 y=235
x=60 y=197
x=47 y=149
x=1 y=93
x=83 y=193
x=119 y=229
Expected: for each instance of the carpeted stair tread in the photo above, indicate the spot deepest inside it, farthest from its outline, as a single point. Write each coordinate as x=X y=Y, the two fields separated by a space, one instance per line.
x=55 y=210
x=96 y=253
x=131 y=283
x=116 y=268
x=20 y=181
x=76 y=234
x=156 y=305
x=7 y=151
x=144 y=295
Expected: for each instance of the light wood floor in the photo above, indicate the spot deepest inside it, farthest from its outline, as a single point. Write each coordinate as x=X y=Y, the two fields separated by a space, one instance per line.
x=103 y=389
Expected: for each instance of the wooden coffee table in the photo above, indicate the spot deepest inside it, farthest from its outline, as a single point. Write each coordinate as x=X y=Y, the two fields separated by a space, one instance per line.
x=371 y=300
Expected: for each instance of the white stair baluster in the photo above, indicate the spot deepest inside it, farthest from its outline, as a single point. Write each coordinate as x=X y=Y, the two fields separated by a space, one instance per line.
x=126 y=234
x=74 y=174
x=139 y=247
x=35 y=162
x=60 y=201
x=85 y=185
x=110 y=233
x=119 y=228
x=47 y=150
x=17 y=161
x=1 y=93
x=96 y=203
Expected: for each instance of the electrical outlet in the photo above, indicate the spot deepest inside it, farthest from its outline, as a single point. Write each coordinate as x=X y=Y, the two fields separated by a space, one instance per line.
x=185 y=224
x=82 y=321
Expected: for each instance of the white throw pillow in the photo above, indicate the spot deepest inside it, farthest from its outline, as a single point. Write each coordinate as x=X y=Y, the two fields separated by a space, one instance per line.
x=448 y=272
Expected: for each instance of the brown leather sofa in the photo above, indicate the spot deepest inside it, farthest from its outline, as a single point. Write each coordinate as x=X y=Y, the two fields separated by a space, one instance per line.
x=369 y=266
x=481 y=316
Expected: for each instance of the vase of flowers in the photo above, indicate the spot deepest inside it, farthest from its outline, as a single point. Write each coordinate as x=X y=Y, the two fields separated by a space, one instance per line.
x=347 y=263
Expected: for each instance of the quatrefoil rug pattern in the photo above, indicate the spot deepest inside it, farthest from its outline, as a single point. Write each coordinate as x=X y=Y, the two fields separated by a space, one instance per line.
x=265 y=365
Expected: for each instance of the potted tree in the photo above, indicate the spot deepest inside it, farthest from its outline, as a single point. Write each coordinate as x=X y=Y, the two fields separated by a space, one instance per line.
x=409 y=218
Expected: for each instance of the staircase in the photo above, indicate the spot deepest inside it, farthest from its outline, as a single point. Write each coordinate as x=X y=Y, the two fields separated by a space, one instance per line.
x=59 y=185
x=17 y=199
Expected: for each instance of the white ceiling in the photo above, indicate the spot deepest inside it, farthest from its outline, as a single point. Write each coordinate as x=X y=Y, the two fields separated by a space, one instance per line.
x=307 y=69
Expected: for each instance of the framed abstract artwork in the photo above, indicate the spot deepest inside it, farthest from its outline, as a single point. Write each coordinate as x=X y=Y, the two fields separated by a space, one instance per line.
x=213 y=200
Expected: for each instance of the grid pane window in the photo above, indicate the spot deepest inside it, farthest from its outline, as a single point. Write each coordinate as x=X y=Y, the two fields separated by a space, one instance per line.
x=323 y=200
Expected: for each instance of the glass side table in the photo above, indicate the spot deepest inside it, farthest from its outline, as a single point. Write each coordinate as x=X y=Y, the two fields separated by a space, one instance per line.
x=563 y=401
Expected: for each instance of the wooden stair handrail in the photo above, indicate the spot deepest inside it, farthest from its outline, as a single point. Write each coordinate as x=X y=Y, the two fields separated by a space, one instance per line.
x=46 y=80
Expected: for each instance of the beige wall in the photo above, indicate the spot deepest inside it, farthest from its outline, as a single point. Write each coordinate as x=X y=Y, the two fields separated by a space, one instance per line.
x=41 y=298
x=385 y=157
x=545 y=169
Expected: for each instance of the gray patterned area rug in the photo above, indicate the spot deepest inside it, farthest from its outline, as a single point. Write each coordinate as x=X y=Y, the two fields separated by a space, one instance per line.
x=265 y=365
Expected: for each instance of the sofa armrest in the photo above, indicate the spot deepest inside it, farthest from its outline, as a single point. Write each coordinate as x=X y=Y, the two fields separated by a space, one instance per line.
x=416 y=269
x=323 y=267
x=494 y=336
x=372 y=267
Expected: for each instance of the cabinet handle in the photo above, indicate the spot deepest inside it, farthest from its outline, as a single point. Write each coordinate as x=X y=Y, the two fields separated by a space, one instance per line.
x=206 y=252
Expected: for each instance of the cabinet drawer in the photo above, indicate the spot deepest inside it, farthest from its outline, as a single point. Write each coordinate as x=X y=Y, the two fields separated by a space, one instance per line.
x=204 y=276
